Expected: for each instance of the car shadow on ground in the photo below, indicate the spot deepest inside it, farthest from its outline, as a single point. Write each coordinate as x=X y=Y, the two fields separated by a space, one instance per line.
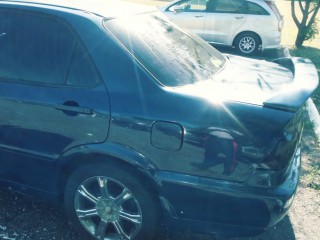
x=283 y=230
x=24 y=219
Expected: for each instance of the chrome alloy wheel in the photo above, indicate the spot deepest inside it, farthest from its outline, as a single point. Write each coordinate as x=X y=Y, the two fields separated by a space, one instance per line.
x=107 y=209
x=247 y=45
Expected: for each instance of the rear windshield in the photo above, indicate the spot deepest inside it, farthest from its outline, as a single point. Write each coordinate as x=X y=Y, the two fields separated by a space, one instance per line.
x=174 y=57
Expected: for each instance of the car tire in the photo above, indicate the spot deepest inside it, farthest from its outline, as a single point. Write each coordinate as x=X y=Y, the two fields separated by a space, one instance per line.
x=247 y=44
x=107 y=202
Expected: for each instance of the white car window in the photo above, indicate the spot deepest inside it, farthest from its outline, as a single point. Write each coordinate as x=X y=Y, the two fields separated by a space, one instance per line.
x=188 y=6
x=227 y=6
x=255 y=9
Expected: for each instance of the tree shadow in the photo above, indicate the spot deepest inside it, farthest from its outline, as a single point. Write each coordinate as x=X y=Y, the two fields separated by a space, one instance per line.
x=283 y=230
x=308 y=52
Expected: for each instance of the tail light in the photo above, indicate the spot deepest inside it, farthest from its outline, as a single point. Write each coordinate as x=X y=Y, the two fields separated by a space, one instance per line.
x=284 y=148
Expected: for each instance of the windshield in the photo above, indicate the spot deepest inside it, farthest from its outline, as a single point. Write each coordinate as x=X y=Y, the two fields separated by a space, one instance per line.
x=173 y=56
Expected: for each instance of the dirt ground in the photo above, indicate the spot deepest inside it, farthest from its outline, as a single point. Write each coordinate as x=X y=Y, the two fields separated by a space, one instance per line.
x=25 y=219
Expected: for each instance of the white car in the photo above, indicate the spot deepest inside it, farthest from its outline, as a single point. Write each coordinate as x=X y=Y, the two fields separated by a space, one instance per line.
x=246 y=25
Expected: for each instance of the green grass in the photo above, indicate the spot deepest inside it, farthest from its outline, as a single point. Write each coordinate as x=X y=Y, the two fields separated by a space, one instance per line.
x=309 y=125
x=311 y=172
x=312 y=176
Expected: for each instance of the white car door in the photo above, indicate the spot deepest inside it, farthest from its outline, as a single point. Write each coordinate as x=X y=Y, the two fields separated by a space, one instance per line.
x=190 y=14
x=223 y=20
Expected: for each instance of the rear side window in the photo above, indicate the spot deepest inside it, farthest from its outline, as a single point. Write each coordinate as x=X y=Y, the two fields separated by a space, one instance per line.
x=82 y=71
x=254 y=9
x=227 y=6
x=34 y=48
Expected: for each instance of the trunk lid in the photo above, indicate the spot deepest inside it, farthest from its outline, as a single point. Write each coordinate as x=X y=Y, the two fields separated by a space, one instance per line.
x=283 y=84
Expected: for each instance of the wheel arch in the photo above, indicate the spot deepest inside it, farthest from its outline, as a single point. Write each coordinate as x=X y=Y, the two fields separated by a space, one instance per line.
x=113 y=154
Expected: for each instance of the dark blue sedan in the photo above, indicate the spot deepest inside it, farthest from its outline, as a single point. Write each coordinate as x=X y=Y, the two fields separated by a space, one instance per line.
x=131 y=121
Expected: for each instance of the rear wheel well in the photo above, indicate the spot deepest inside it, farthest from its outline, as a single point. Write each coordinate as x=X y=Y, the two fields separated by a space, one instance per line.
x=93 y=159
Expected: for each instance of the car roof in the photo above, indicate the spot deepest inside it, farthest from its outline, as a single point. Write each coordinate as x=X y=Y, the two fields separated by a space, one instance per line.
x=105 y=8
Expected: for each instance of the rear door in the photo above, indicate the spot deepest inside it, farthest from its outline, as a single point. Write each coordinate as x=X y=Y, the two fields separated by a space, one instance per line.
x=261 y=18
x=51 y=96
x=190 y=14
x=223 y=20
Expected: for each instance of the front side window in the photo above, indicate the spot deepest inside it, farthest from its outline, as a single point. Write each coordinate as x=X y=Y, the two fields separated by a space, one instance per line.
x=171 y=55
x=189 y=6
x=42 y=50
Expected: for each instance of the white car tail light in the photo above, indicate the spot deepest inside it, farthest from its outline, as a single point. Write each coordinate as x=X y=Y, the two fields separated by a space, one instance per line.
x=274 y=8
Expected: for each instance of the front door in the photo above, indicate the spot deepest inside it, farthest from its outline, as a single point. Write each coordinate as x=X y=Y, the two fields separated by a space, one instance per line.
x=190 y=14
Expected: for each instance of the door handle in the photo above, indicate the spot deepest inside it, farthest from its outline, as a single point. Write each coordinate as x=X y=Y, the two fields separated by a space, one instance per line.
x=199 y=16
x=240 y=17
x=73 y=107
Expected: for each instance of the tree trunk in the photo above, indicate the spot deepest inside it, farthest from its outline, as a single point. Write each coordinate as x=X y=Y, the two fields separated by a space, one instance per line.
x=300 y=38
x=309 y=11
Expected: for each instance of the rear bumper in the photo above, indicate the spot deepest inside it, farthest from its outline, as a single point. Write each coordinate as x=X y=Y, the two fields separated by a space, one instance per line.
x=271 y=40
x=221 y=207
